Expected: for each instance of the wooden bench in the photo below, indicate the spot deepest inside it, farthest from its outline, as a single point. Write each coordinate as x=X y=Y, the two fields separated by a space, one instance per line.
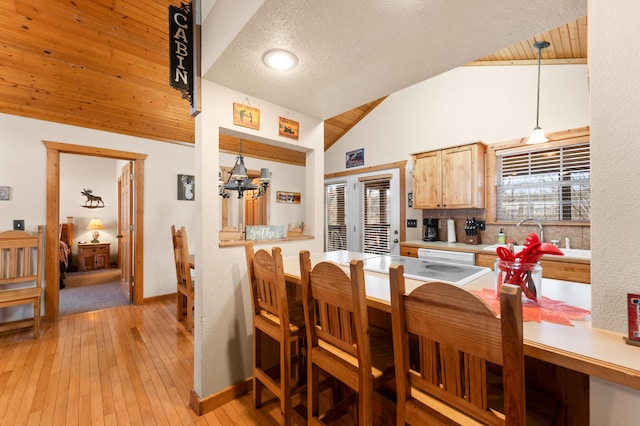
x=21 y=274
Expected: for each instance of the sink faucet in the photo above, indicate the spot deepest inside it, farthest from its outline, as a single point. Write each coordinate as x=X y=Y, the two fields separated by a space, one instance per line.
x=537 y=223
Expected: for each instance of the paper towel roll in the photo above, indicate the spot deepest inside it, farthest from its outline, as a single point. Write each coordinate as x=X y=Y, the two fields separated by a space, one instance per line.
x=451 y=231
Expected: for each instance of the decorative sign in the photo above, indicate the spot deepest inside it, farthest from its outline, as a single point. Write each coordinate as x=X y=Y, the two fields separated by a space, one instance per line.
x=254 y=233
x=633 y=306
x=185 y=187
x=355 y=158
x=93 y=201
x=288 y=128
x=182 y=52
x=288 y=197
x=246 y=116
x=4 y=192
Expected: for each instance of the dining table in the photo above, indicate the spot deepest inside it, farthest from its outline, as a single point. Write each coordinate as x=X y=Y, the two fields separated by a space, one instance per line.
x=574 y=351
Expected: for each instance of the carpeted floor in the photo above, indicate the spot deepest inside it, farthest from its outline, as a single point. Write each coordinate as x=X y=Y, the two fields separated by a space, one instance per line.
x=91 y=298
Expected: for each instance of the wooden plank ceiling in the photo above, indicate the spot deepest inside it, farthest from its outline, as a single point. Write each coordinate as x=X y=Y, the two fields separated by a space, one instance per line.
x=103 y=64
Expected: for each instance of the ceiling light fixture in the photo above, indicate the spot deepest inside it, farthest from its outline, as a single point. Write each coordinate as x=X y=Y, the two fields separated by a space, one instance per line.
x=240 y=181
x=280 y=59
x=537 y=135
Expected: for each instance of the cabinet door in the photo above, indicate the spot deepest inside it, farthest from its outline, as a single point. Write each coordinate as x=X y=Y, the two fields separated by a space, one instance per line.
x=463 y=177
x=101 y=261
x=86 y=261
x=427 y=180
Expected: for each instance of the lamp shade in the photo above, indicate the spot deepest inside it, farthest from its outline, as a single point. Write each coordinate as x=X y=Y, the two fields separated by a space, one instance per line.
x=537 y=136
x=95 y=224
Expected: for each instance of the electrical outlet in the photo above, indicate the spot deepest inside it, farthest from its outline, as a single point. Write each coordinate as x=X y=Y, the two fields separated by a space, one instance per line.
x=412 y=223
x=482 y=225
x=18 y=225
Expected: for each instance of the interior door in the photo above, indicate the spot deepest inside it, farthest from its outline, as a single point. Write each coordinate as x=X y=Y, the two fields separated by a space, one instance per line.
x=125 y=237
x=366 y=208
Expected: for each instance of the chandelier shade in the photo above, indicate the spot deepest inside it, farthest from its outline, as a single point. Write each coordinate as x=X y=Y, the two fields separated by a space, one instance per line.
x=240 y=181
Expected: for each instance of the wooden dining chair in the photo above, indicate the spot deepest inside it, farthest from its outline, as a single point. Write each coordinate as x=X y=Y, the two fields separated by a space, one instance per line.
x=455 y=337
x=21 y=273
x=185 y=281
x=283 y=322
x=340 y=341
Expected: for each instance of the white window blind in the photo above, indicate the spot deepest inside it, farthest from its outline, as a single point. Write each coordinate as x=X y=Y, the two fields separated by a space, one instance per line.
x=549 y=184
x=336 y=232
x=375 y=215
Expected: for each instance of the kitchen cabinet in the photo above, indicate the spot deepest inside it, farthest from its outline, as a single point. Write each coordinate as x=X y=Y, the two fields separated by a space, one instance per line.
x=92 y=256
x=451 y=178
x=565 y=270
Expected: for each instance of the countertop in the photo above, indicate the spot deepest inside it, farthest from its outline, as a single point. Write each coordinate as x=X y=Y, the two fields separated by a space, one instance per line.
x=480 y=249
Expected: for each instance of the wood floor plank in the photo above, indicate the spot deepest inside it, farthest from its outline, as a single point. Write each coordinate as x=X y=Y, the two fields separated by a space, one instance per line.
x=129 y=365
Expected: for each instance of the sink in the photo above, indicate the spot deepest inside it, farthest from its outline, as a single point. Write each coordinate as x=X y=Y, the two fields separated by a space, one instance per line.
x=574 y=253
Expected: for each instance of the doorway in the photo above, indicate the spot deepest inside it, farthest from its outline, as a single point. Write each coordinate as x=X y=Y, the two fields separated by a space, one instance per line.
x=365 y=209
x=54 y=149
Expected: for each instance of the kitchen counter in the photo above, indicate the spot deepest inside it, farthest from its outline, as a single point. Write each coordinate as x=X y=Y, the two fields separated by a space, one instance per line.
x=478 y=249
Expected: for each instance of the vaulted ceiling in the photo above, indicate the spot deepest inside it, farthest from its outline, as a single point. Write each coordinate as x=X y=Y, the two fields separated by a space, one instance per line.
x=103 y=64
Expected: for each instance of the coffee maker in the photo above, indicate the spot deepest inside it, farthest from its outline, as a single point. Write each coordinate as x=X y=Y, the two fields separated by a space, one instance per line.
x=430 y=229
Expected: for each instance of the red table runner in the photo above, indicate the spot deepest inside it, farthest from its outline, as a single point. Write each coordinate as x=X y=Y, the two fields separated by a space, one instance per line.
x=548 y=310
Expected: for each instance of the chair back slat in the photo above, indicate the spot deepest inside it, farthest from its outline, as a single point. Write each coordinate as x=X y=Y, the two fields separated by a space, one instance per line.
x=20 y=261
x=457 y=336
x=268 y=285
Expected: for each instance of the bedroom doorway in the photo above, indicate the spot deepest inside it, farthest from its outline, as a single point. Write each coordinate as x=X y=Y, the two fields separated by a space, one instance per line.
x=54 y=149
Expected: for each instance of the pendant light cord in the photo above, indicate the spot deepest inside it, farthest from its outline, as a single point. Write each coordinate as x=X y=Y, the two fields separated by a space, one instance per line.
x=538 y=100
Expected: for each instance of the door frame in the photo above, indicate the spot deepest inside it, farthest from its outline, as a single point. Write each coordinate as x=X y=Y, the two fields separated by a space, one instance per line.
x=52 y=269
x=401 y=166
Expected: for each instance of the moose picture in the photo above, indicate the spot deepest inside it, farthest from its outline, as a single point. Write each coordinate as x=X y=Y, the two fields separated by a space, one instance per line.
x=93 y=201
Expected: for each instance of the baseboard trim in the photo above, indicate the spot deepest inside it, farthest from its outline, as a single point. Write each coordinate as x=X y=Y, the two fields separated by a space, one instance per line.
x=203 y=405
x=159 y=298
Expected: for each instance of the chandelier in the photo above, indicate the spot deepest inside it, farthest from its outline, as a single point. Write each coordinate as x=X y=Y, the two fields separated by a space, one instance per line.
x=240 y=181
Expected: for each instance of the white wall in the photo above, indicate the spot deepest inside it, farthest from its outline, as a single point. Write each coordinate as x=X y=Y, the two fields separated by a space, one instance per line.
x=79 y=172
x=465 y=105
x=615 y=154
x=223 y=324
x=23 y=167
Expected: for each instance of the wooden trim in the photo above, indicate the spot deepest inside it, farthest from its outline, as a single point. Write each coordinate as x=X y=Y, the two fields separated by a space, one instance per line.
x=402 y=166
x=159 y=298
x=203 y=405
x=395 y=165
x=264 y=151
x=52 y=269
x=376 y=177
x=561 y=61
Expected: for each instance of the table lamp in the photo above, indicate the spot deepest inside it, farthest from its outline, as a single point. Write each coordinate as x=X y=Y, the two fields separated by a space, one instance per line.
x=94 y=226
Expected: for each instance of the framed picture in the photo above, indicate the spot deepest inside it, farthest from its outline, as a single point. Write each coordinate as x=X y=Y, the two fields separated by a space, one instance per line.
x=4 y=192
x=288 y=128
x=355 y=158
x=186 y=189
x=288 y=197
x=246 y=116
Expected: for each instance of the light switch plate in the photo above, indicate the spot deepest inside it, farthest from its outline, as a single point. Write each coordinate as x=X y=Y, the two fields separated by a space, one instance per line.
x=18 y=225
x=412 y=223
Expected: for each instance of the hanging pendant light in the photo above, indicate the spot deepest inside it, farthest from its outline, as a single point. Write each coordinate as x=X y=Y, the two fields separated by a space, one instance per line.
x=240 y=181
x=537 y=135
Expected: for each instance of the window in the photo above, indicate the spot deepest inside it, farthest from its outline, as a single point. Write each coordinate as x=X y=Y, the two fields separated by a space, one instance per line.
x=549 y=184
x=375 y=219
x=336 y=232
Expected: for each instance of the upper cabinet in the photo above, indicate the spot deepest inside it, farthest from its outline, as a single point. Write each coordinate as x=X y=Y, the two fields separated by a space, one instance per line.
x=451 y=178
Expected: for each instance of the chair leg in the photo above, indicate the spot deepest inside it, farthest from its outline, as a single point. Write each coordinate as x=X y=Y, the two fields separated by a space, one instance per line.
x=285 y=381
x=312 y=391
x=257 y=363
x=36 y=317
x=189 y=319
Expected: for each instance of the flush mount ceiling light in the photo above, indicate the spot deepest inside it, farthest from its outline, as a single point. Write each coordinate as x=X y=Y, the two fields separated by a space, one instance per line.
x=279 y=59
x=537 y=135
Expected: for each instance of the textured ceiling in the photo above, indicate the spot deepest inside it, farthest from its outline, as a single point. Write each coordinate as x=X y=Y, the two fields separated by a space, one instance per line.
x=353 y=52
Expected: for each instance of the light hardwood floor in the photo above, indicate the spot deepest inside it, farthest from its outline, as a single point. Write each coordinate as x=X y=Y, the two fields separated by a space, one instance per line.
x=127 y=365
